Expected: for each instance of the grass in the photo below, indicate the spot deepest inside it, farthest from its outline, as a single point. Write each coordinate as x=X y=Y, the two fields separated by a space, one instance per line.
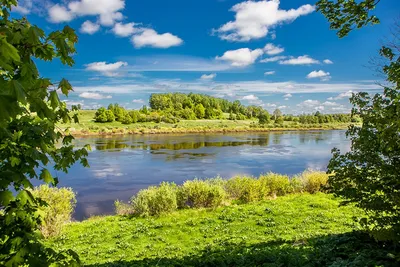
x=292 y=230
x=87 y=126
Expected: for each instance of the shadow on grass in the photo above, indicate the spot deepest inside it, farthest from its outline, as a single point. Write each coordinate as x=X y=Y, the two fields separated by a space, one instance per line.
x=350 y=249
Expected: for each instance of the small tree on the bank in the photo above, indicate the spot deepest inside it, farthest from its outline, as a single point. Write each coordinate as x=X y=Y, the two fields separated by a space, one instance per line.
x=30 y=109
x=263 y=117
x=369 y=175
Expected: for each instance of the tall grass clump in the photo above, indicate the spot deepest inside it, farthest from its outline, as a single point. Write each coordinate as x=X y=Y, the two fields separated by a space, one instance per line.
x=156 y=200
x=122 y=208
x=273 y=185
x=242 y=188
x=200 y=194
x=314 y=181
x=60 y=206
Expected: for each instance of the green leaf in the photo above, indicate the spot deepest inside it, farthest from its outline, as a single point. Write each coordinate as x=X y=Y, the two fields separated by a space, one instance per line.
x=65 y=87
x=14 y=161
x=54 y=100
x=5 y=197
x=46 y=176
x=18 y=91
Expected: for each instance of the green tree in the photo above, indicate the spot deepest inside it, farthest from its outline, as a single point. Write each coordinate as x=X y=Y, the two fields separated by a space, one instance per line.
x=30 y=108
x=264 y=117
x=100 y=115
x=277 y=113
x=369 y=174
x=110 y=116
x=200 y=111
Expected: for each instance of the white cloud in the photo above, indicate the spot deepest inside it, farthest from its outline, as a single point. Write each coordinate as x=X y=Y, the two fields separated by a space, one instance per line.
x=301 y=60
x=124 y=30
x=324 y=76
x=271 y=49
x=106 y=10
x=59 y=14
x=250 y=97
x=331 y=104
x=90 y=95
x=282 y=107
x=107 y=69
x=347 y=94
x=253 y=20
x=109 y=19
x=328 y=61
x=208 y=76
x=241 y=57
x=288 y=95
x=24 y=7
x=272 y=59
x=138 y=101
x=272 y=72
x=269 y=105
x=150 y=37
x=89 y=27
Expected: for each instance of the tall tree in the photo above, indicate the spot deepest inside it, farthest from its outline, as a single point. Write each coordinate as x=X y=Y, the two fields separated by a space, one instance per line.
x=30 y=109
x=369 y=175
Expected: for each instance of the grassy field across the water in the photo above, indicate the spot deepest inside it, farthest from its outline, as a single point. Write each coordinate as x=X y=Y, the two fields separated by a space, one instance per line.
x=87 y=126
x=293 y=230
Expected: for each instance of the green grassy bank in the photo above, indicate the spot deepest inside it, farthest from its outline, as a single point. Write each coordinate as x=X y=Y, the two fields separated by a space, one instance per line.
x=87 y=126
x=292 y=230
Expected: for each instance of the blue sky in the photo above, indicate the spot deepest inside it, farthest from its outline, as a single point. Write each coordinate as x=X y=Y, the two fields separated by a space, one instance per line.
x=269 y=53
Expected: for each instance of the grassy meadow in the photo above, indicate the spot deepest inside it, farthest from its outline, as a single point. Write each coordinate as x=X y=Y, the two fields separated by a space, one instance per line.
x=292 y=230
x=87 y=126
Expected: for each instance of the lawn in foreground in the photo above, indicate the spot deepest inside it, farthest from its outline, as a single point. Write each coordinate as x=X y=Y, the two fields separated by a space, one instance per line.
x=294 y=230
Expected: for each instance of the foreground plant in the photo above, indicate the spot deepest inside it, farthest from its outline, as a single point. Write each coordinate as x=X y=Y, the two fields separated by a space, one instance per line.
x=29 y=110
x=369 y=175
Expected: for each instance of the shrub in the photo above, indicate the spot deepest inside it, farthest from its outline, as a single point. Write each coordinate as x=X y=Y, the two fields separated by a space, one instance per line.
x=273 y=184
x=155 y=200
x=244 y=189
x=200 y=194
x=60 y=206
x=314 y=181
x=122 y=208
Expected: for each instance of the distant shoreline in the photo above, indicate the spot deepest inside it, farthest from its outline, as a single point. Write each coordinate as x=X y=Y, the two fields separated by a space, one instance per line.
x=144 y=131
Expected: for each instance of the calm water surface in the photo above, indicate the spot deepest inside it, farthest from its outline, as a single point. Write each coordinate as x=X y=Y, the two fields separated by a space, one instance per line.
x=121 y=165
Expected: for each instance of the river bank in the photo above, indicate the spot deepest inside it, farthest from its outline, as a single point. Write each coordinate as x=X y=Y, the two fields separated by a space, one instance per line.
x=293 y=230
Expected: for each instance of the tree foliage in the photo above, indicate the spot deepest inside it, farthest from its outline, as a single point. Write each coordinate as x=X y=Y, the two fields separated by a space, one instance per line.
x=30 y=108
x=369 y=175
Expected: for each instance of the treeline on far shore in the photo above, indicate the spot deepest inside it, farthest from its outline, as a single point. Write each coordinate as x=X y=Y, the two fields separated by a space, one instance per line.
x=173 y=107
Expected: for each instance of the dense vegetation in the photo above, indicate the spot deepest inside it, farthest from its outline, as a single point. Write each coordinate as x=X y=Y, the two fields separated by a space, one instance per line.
x=30 y=108
x=216 y=192
x=369 y=175
x=173 y=107
x=292 y=230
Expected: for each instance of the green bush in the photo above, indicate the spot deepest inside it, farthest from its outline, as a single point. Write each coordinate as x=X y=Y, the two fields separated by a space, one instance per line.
x=314 y=181
x=272 y=185
x=155 y=200
x=244 y=189
x=122 y=208
x=200 y=194
x=60 y=206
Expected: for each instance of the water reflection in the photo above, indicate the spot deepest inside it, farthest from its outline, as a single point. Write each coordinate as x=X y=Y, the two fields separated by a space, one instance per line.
x=122 y=165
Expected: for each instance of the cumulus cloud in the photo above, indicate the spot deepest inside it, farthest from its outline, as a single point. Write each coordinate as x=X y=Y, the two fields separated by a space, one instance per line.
x=89 y=27
x=271 y=49
x=272 y=59
x=138 y=101
x=107 y=69
x=59 y=14
x=322 y=75
x=249 y=97
x=287 y=95
x=241 y=57
x=91 y=95
x=327 y=106
x=106 y=10
x=124 y=30
x=253 y=20
x=151 y=38
x=272 y=72
x=328 y=61
x=301 y=60
x=208 y=76
x=24 y=7
x=343 y=95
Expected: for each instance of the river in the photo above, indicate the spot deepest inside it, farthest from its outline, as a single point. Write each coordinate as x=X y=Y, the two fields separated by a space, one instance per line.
x=122 y=165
